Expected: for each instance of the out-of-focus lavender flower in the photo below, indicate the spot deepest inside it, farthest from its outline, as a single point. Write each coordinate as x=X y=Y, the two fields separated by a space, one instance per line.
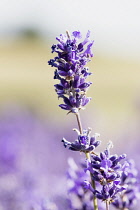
x=42 y=204
x=107 y=170
x=79 y=199
x=71 y=71
x=84 y=143
x=129 y=197
x=8 y=154
x=9 y=146
x=23 y=143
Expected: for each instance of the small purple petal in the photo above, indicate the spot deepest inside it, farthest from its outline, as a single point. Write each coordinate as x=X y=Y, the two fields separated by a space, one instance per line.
x=85 y=100
x=77 y=34
x=64 y=106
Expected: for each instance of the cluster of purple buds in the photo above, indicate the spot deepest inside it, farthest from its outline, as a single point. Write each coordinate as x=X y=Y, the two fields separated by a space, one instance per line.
x=79 y=199
x=71 y=71
x=129 y=198
x=84 y=143
x=106 y=169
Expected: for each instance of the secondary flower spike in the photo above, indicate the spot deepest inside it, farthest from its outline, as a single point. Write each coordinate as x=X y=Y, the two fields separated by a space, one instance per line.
x=107 y=170
x=72 y=56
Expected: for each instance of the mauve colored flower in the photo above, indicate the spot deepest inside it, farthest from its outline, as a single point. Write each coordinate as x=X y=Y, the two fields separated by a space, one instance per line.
x=78 y=198
x=107 y=170
x=71 y=71
x=84 y=143
x=129 y=198
x=9 y=144
x=23 y=143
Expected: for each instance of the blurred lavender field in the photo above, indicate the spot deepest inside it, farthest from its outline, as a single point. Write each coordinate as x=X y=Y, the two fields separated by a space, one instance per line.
x=29 y=172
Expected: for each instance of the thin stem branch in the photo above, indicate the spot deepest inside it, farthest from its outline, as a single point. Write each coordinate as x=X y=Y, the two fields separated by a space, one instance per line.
x=79 y=122
x=107 y=205
x=95 y=203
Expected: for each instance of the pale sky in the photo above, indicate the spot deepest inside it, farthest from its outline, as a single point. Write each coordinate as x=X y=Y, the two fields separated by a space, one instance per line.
x=114 y=25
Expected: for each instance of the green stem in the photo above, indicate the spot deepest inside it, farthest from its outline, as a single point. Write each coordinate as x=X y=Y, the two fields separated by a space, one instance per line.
x=107 y=205
x=79 y=122
x=95 y=203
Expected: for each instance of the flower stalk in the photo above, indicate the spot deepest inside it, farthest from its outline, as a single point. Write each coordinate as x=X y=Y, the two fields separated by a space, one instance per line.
x=107 y=205
x=95 y=203
x=79 y=122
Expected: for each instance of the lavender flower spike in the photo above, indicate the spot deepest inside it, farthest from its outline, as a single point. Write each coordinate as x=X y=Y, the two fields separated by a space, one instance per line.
x=71 y=71
x=128 y=199
x=107 y=170
x=79 y=198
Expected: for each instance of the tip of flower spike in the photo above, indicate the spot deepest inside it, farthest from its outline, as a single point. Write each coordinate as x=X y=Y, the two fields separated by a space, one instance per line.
x=68 y=34
x=77 y=34
x=123 y=156
x=97 y=135
x=86 y=185
x=88 y=34
x=65 y=142
x=109 y=145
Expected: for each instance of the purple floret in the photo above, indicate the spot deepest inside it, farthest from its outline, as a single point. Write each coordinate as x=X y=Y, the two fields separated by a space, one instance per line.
x=84 y=143
x=79 y=198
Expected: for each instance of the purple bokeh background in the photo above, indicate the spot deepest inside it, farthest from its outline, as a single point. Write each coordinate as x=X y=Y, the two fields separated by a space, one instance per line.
x=33 y=162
